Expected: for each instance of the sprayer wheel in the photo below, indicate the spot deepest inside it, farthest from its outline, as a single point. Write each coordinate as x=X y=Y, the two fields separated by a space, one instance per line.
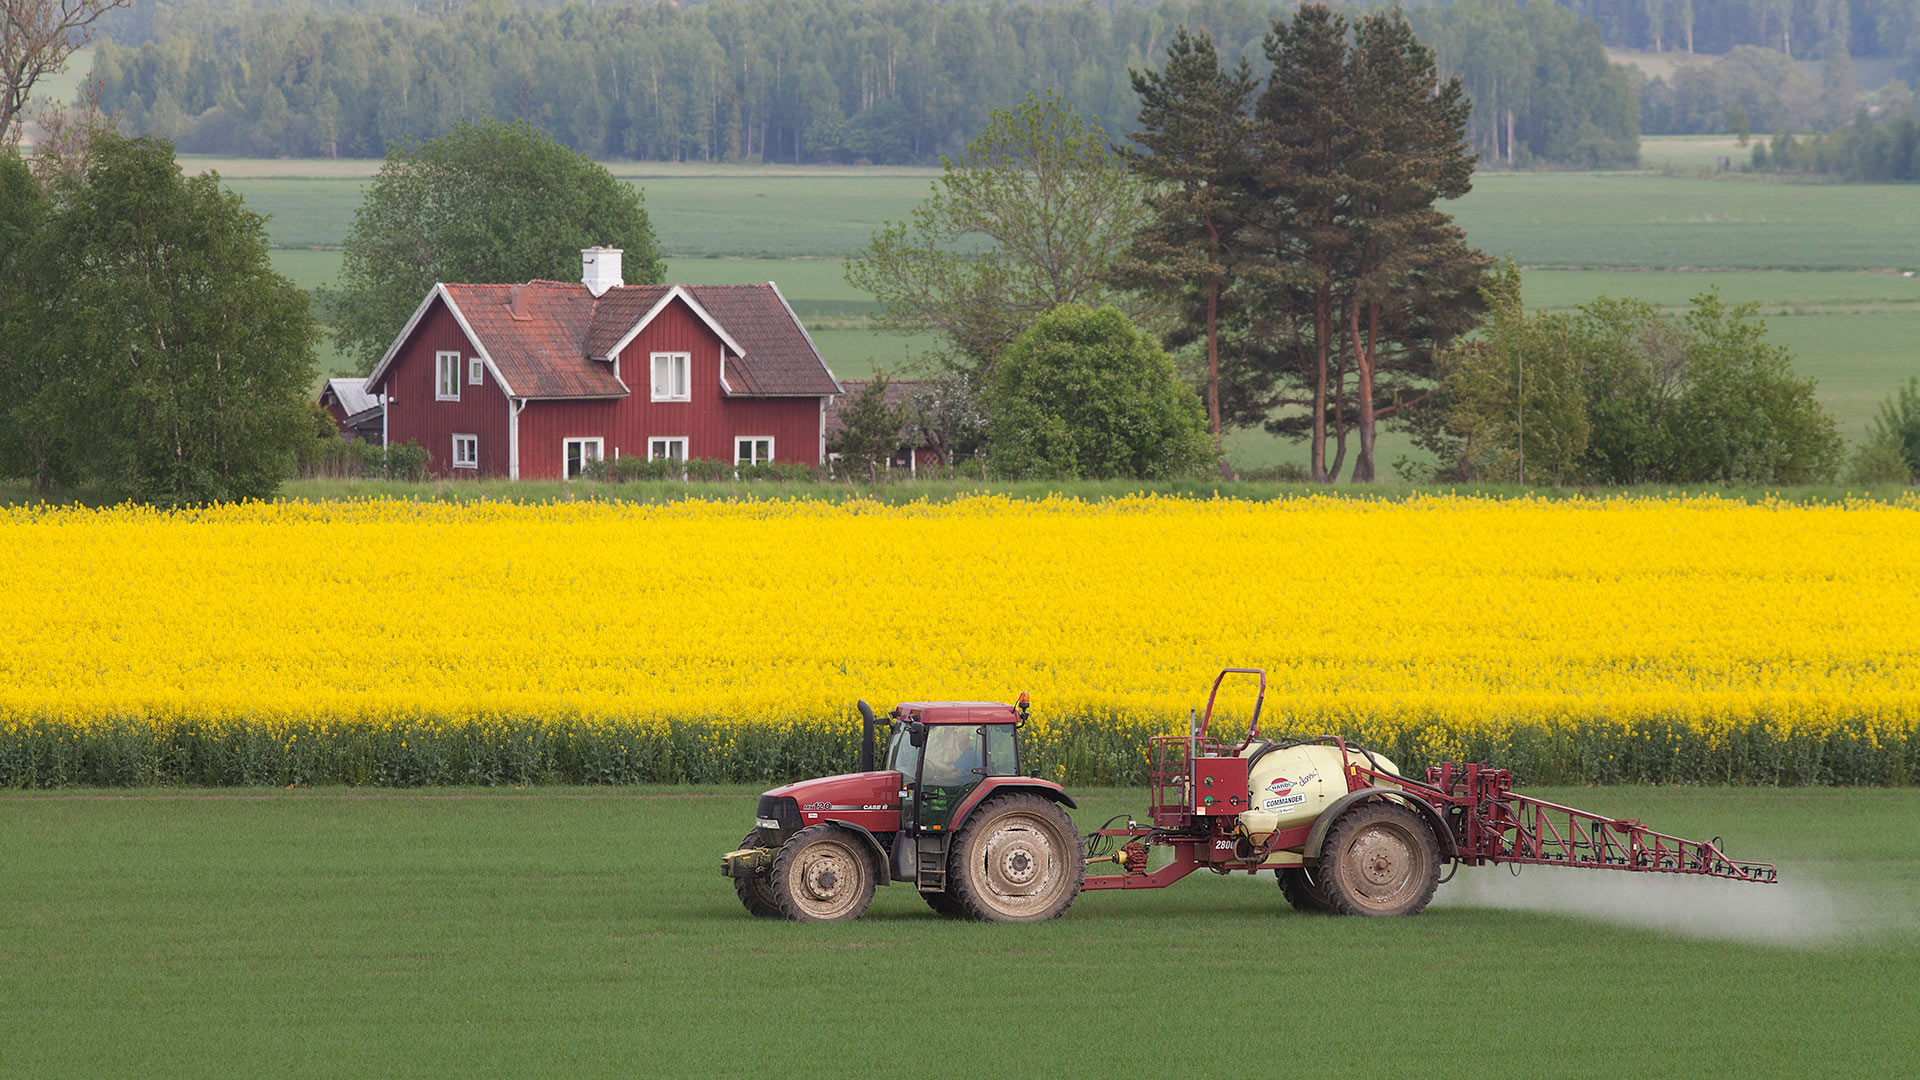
x=756 y=894
x=1017 y=859
x=1302 y=891
x=823 y=873
x=1380 y=859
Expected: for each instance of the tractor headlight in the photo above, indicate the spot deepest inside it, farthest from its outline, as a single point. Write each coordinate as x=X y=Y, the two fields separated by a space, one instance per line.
x=767 y=823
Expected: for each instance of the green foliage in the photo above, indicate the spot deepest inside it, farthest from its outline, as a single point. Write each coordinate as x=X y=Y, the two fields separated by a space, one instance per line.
x=174 y=359
x=1869 y=150
x=1082 y=393
x=871 y=429
x=488 y=202
x=1516 y=406
x=1543 y=89
x=330 y=457
x=1899 y=423
x=1637 y=397
x=1743 y=416
x=1030 y=217
x=34 y=436
x=804 y=81
x=1879 y=461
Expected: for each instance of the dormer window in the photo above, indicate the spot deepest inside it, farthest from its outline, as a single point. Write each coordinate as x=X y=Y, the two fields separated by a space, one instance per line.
x=446 y=384
x=671 y=376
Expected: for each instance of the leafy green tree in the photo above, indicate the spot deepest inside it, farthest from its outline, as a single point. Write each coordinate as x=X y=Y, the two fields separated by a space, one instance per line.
x=1744 y=417
x=870 y=429
x=34 y=434
x=1898 y=424
x=1082 y=394
x=1029 y=218
x=487 y=202
x=1878 y=461
x=186 y=359
x=1195 y=150
x=1515 y=403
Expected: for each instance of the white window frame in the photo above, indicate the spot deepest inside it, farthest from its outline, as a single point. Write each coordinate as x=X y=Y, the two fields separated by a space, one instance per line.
x=599 y=452
x=749 y=440
x=476 y=371
x=685 y=367
x=473 y=443
x=681 y=439
x=446 y=372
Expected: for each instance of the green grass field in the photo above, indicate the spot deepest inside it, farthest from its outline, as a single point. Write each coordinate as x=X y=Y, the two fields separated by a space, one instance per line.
x=1824 y=260
x=587 y=932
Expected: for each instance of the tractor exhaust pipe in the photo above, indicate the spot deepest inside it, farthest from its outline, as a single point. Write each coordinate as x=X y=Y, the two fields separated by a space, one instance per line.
x=867 y=724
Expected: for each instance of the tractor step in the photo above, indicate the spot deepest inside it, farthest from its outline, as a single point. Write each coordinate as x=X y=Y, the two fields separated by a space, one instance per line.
x=931 y=873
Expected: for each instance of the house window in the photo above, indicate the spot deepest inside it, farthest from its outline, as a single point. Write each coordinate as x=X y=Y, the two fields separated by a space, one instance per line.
x=466 y=451
x=753 y=450
x=671 y=449
x=476 y=371
x=671 y=381
x=446 y=385
x=577 y=452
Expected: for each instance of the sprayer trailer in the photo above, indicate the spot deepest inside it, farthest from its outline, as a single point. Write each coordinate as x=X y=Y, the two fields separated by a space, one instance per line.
x=951 y=811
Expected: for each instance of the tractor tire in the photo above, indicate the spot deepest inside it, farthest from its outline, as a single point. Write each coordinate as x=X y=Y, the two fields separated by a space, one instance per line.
x=1380 y=858
x=823 y=873
x=944 y=905
x=1017 y=859
x=1302 y=891
x=756 y=894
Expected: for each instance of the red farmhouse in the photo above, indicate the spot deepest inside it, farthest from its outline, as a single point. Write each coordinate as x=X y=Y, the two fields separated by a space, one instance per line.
x=536 y=380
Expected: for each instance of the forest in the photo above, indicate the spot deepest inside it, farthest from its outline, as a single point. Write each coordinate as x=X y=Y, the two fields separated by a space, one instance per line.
x=883 y=81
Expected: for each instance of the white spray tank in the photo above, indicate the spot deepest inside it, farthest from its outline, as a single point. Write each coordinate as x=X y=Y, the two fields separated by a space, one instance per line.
x=1292 y=785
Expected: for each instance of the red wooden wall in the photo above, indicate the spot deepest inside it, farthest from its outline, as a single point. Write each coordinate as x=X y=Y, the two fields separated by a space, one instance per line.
x=709 y=422
x=413 y=414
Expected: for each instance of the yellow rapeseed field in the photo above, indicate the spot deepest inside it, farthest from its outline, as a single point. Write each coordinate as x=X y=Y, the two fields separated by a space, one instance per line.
x=407 y=642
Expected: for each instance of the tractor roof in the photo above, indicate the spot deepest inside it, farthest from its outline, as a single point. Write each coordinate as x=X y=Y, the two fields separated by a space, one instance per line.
x=957 y=712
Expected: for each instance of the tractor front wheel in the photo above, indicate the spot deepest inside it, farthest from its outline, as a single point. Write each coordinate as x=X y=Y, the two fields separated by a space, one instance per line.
x=822 y=874
x=1017 y=859
x=756 y=893
x=1380 y=859
x=1302 y=891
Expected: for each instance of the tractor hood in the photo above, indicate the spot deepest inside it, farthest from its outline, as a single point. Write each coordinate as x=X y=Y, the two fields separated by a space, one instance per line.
x=848 y=791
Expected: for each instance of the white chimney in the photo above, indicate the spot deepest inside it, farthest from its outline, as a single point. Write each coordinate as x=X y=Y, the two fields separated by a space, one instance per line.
x=600 y=269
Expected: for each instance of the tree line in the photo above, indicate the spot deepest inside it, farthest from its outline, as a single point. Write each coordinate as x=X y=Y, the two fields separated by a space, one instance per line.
x=886 y=81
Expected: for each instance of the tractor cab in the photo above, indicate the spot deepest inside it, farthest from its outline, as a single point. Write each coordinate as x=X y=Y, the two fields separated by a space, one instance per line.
x=943 y=750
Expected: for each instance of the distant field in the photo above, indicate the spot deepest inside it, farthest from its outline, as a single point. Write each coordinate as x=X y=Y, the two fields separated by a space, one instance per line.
x=1802 y=251
x=1694 y=152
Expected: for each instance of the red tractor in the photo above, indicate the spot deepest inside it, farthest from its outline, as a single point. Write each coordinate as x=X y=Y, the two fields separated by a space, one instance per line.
x=953 y=812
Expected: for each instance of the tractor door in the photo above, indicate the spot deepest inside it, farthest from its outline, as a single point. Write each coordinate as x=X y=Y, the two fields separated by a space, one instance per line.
x=954 y=761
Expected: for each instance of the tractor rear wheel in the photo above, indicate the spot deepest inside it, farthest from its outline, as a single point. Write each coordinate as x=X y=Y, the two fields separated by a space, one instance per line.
x=1302 y=891
x=822 y=874
x=1380 y=859
x=1017 y=859
x=756 y=894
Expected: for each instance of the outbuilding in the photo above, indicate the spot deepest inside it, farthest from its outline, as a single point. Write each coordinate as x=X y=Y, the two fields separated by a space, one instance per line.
x=541 y=378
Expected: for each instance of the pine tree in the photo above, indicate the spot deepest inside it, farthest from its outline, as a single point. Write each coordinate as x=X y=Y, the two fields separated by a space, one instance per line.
x=1194 y=152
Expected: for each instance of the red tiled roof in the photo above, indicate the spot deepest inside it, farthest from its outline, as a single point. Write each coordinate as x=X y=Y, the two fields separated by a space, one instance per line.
x=557 y=350
x=771 y=339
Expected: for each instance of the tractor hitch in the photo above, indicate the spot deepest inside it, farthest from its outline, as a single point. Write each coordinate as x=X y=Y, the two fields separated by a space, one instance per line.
x=750 y=862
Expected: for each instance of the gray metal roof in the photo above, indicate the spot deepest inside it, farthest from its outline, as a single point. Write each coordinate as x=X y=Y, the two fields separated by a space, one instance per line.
x=352 y=395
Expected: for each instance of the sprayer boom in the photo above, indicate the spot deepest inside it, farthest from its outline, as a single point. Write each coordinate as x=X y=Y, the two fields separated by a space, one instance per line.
x=1491 y=824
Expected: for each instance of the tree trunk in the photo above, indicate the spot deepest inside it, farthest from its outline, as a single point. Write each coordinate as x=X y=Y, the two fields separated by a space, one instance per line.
x=1340 y=427
x=1363 y=361
x=1322 y=328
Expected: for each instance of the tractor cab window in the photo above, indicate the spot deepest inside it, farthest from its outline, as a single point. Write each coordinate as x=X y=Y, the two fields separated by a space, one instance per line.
x=902 y=755
x=952 y=754
x=1002 y=760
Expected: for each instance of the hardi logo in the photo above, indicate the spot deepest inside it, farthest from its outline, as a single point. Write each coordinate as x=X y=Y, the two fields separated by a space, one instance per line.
x=1283 y=786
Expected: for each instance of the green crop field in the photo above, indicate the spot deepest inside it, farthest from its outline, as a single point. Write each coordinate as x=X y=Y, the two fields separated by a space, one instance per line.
x=587 y=932
x=1825 y=261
